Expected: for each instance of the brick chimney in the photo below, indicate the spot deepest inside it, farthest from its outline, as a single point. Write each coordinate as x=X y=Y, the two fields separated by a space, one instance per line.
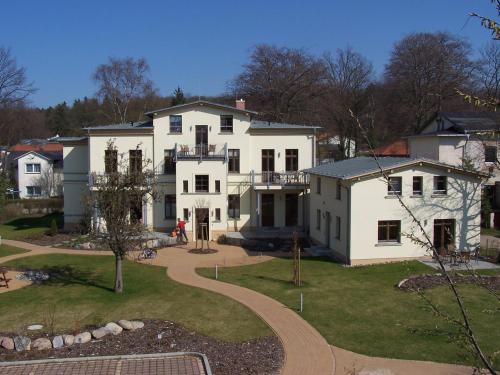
x=240 y=104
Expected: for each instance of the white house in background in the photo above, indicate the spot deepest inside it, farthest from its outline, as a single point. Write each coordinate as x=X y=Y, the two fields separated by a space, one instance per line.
x=37 y=169
x=215 y=164
x=356 y=214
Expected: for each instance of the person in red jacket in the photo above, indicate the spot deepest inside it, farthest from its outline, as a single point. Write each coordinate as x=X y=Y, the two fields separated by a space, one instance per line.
x=181 y=224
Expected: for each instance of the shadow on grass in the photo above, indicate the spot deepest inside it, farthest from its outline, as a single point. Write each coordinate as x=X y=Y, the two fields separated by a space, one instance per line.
x=280 y=282
x=68 y=275
x=24 y=223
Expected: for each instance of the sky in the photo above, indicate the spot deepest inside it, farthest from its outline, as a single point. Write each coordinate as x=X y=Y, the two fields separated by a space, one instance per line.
x=201 y=45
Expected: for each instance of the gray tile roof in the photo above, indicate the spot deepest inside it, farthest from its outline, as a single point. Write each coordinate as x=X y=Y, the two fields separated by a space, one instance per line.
x=364 y=165
x=127 y=126
x=70 y=139
x=472 y=122
x=265 y=125
x=201 y=103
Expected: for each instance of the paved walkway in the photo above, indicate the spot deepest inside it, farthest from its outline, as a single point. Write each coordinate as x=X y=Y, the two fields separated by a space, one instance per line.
x=306 y=351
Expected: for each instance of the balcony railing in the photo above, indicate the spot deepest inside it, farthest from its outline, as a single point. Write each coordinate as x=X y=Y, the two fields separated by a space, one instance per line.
x=279 y=178
x=201 y=152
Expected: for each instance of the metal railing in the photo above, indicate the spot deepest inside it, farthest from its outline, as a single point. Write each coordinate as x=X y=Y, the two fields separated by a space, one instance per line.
x=200 y=151
x=279 y=178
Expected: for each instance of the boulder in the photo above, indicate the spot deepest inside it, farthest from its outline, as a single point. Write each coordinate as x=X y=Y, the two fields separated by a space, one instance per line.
x=42 y=344
x=113 y=328
x=125 y=324
x=35 y=327
x=136 y=324
x=100 y=332
x=68 y=340
x=83 y=337
x=7 y=343
x=58 y=342
x=85 y=246
x=22 y=343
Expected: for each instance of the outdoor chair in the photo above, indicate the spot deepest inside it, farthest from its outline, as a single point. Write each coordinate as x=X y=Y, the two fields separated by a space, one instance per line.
x=475 y=254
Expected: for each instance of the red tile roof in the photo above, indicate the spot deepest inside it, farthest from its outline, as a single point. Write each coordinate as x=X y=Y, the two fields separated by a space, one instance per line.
x=47 y=147
x=397 y=148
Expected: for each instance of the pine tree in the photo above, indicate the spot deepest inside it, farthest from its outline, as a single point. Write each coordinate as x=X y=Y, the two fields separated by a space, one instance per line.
x=178 y=96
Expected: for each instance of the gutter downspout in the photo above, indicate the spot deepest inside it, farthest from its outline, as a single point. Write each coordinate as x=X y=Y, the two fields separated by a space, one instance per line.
x=348 y=245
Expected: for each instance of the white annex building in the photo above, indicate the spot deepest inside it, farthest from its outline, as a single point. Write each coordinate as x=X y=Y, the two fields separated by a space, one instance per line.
x=356 y=213
x=215 y=164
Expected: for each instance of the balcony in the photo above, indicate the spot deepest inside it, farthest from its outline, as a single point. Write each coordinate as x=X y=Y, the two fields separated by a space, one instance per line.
x=200 y=152
x=278 y=180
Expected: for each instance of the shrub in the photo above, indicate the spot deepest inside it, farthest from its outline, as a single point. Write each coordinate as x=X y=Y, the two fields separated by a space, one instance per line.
x=53 y=228
x=222 y=239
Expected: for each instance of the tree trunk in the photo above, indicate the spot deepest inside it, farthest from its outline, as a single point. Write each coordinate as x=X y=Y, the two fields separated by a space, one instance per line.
x=118 y=274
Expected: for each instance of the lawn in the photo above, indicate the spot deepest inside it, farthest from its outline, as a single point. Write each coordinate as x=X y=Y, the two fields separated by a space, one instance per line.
x=9 y=250
x=80 y=295
x=490 y=232
x=360 y=309
x=28 y=226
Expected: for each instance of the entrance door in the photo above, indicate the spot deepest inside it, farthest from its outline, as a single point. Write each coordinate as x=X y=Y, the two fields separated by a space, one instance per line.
x=444 y=233
x=201 y=215
x=201 y=139
x=291 y=210
x=268 y=210
x=328 y=226
x=267 y=165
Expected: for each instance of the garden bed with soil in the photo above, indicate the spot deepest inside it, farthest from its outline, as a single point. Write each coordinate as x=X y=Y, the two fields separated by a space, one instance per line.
x=48 y=240
x=259 y=356
x=431 y=281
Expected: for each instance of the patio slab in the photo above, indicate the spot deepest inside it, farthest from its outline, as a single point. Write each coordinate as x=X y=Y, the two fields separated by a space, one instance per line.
x=479 y=265
x=155 y=364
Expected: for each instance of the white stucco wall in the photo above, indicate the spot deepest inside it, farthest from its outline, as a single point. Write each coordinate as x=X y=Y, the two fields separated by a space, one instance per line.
x=25 y=179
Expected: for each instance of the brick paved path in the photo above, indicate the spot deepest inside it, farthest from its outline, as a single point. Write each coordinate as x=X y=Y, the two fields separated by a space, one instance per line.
x=139 y=365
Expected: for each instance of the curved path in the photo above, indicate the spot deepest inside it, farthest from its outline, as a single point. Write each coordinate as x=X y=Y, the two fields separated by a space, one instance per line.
x=306 y=351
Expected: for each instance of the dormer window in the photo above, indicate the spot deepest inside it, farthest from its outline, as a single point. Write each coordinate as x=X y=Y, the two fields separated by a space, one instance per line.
x=175 y=124
x=226 y=124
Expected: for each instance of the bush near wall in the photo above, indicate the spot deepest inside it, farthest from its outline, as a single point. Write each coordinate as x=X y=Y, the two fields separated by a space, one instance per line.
x=26 y=207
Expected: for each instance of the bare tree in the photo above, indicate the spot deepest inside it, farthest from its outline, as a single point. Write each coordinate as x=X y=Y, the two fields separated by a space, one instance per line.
x=280 y=82
x=122 y=80
x=50 y=182
x=348 y=75
x=424 y=71
x=117 y=197
x=14 y=86
x=488 y=73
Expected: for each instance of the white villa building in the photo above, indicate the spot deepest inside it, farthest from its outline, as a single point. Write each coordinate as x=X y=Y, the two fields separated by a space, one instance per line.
x=215 y=164
x=357 y=215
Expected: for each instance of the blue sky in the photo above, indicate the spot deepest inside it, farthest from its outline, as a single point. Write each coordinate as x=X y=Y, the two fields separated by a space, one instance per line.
x=200 y=45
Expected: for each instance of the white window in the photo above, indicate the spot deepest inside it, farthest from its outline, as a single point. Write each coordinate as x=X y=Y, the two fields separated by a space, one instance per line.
x=33 y=191
x=394 y=186
x=33 y=168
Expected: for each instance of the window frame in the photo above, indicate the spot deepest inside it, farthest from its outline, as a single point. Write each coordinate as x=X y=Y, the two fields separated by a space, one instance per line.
x=338 y=227
x=169 y=167
x=435 y=190
x=224 y=127
x=386 y=225
x=33 y=171
x=233 y=200
x=201 y=181
x=291 y=160
x=318 y=219
x=338 y=190
x=170 y=201
x=174 y=127
x=110 y=161
x=233 y=165
x=185 y=186
x=135 y=161
x=318 y=185
x=217 y=214
x=33 y=187
x=486 y=154
x=420 y=180
x=217 y=186
x=390 y=186
x=185 y=214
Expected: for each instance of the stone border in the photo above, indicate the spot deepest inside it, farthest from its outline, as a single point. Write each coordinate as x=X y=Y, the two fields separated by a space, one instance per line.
x=201 y=356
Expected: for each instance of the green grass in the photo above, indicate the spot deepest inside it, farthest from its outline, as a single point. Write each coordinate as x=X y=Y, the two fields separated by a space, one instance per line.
x=360 y=309
x=28 y=226
x=9 y=250
x=81 y=295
